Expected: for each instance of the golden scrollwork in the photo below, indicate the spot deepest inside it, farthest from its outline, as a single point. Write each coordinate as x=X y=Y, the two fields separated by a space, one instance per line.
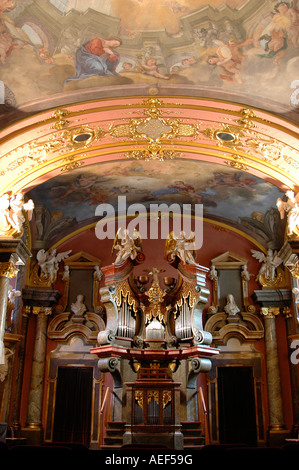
x=295 y=270
x=188 y=294
x=237 y=163
x=156 y=308
x=153 y=394
x=139 y=397
x=8 y=269
x=124 y=294
x=70 y=164
x=167 y=397
x=153 y=129
x=243 y=136
x=40 y=279
x=66 y=139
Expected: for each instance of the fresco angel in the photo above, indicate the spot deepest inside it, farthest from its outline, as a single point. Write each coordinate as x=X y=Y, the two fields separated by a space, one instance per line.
x=270 y=262
x=183 y=247
x=127 y=245
x=291 y=208
x=49 y=261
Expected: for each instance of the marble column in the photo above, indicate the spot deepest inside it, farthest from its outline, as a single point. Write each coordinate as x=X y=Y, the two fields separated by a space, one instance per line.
x=7 y=272
x=15 y=417
x=272 y=302
x=34 y=420
x=276 y=419
x=39 y=302
x=13 y=252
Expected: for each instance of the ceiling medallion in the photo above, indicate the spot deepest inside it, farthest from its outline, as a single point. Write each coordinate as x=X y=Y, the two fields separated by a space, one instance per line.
x=153 y=129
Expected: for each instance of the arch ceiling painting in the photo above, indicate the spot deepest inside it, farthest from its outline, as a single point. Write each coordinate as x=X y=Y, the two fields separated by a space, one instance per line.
x=191 y=101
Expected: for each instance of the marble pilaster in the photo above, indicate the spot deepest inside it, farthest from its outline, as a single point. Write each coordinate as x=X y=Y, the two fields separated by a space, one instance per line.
x=13 y=252
x=38 y=303
x=289 y=253
x=15 y=417
x=276 y=419
x=272 y=302
x=38 y=368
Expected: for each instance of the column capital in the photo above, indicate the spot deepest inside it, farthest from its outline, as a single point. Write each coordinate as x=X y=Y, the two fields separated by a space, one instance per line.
x=270 y=312
x=8 y=269
x=42 y=311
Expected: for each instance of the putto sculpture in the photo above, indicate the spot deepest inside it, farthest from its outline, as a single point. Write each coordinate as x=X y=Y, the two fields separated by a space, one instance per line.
x=13 y=211
x=48 y=262
x=127 y=245
x=181 y=246
x=291 y=208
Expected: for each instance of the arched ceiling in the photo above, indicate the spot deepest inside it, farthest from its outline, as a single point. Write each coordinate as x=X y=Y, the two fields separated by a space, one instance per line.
x=223 y=133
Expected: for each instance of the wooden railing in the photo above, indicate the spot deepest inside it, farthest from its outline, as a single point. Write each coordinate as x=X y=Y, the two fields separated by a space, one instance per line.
x=203 y=414
x=105 y=414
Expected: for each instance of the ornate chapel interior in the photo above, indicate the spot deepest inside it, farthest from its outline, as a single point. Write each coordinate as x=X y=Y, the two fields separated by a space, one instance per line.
x=149 y=223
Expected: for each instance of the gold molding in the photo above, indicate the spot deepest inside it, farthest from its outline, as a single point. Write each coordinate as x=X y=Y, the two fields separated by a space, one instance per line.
x=247 y=120
x=276 y=174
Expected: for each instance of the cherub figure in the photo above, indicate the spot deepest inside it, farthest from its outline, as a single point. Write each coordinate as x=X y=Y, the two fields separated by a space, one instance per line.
x=49 y=262
x=12 y=213
x=150 y=67
x=291 y=208
x=16 y=212
x=127 y=246
x=269 y=264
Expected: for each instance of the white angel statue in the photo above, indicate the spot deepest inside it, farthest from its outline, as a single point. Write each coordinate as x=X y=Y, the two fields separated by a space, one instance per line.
x=291 y=208
x=183 y=247
x=127 y=245
x=269 y=264
x=48 y=261
x=17 y=208
x=12 y=215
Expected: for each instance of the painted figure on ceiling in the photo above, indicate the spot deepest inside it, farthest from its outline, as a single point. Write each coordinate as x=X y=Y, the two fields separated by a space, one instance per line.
x=282 y=31
x=96 y=57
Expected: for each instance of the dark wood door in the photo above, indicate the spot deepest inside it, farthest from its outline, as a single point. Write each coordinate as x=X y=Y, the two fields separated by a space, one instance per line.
x=72 y=419
x=236 y=405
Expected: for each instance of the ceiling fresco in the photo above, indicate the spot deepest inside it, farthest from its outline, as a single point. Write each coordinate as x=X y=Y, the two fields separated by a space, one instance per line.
x=229 y=194
x=240 y=48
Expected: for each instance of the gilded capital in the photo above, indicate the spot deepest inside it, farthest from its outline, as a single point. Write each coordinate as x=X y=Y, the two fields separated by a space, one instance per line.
x=8 y=269
x=270 y=312
x=45 y=311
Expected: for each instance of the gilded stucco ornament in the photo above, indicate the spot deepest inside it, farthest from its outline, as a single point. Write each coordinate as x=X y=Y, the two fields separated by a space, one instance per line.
x=153 y=129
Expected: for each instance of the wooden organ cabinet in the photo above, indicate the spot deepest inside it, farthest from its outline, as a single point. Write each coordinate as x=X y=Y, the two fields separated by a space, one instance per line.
x=154 y=346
